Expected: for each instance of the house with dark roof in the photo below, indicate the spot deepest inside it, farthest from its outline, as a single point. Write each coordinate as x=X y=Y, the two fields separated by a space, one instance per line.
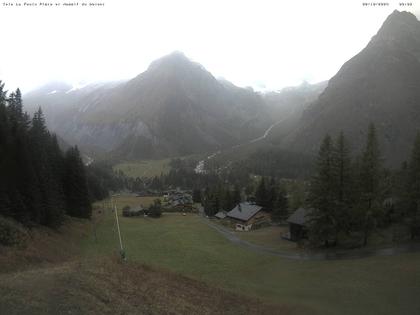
x=298 y=225
x=178 y=201
x=245 y=216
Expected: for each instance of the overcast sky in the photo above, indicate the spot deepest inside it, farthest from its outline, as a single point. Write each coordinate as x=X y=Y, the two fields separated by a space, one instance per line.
x=263 y=44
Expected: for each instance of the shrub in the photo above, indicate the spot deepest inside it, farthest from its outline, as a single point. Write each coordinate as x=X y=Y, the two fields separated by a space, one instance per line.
x=155 y=210
x=12 y=233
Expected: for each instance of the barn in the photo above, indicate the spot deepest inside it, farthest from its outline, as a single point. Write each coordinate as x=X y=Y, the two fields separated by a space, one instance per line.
x=298 y=225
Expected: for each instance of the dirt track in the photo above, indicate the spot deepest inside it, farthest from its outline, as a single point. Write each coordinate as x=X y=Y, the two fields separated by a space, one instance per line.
x=326 y=255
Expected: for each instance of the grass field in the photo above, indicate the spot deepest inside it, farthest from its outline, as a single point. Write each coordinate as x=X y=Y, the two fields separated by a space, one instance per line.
x=269 y=237
x=378 y=285
x=52 y=276
x=132 y=201
x=146 y=168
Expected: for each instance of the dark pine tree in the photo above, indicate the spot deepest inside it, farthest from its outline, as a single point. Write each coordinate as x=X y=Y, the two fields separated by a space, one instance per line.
x=281 y=206
x=370 y=177
x=196 y=196
x=33 y=169
x=49 y=199
x=343 y=177
x=236 y=197
x=261 y=194
x=5 y=159
x=322 y=197
x=75 y=185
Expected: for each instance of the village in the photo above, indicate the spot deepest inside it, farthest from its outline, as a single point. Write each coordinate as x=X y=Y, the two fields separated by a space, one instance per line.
x=244 y=217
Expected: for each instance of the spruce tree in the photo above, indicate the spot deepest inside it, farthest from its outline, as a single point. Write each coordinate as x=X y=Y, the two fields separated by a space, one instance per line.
x=22 y=179
x=211 y=202
x=39 y=138
x=5 y=208
x=272 y=194
x=75 y=185
x=343 y=182
x=281 y=206
x=226 y=201
x=33 y=168
x=236 y=198
x=196 y=196
x=370 y=176
x=322 y=197
x=47 y=165
x=261 y=194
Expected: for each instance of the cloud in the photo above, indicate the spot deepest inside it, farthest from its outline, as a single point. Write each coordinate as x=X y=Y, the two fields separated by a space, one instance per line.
x=247 y=42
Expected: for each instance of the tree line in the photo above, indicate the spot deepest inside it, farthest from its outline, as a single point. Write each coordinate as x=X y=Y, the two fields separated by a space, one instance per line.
x=268 y=193
x=102 y=180
x=39 y=183
x=219 y=198
x=349 y=197
x=183 y=175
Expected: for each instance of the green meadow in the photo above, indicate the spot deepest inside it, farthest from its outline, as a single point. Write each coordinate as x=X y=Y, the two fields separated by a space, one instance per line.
x=186 y=245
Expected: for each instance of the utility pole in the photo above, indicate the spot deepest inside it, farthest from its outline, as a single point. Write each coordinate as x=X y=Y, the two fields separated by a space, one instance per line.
x=122 y=252
x=94 y=230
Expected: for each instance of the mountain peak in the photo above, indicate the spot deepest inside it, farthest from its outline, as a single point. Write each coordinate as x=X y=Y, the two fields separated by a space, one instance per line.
x=402 y=16
x=399 y=25
x=377 y=85
x=175 y=58
x=177 y=67
x=177 y=54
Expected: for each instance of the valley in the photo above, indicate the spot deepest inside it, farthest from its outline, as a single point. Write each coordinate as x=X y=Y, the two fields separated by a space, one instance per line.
x=168 y=189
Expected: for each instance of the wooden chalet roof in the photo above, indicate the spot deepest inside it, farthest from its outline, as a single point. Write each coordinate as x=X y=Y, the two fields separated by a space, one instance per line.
x=244 y=211
x=299 y=217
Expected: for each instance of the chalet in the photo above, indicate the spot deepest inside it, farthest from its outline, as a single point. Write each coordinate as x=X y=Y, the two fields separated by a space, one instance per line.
x=246 y=215
x=178 y=197
x=298 y=225
x=177 y=200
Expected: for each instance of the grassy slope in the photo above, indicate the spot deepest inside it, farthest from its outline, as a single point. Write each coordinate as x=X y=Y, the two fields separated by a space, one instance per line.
x=52 y=277
x=146 y=168
x=379 y=285
x=46 y=247
x=110 y=287
x=151 y=168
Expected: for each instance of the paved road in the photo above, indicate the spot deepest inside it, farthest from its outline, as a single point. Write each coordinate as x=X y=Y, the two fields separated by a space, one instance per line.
x=327 y=255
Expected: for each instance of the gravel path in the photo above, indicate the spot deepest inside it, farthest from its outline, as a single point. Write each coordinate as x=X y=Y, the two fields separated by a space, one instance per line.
x=326 y=255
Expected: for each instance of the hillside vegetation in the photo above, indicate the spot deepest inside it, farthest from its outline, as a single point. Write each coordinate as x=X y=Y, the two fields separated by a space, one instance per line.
x=52 y=276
